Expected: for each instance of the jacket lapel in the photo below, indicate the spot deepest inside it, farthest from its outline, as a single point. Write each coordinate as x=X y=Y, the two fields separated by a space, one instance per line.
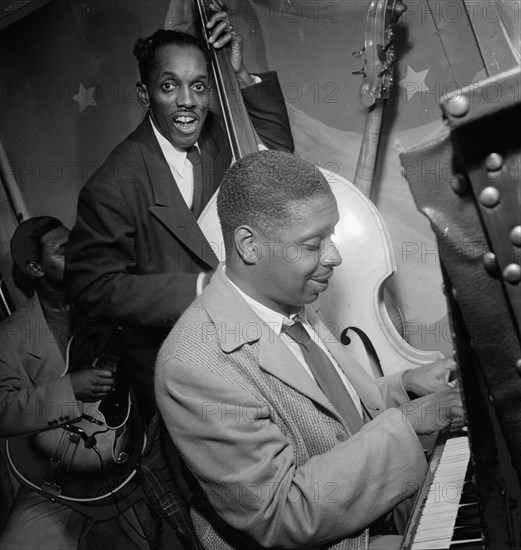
x=170 y=208
x=43 y=360
x=233 y=316
x=276 y=358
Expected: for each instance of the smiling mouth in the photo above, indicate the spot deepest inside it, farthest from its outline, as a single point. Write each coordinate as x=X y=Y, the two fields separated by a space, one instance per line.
x=323 y=279
x=186 y=123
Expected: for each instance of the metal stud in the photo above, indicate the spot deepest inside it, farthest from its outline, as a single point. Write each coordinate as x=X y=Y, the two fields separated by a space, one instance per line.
x=494 y=162
x=518 y=367
x=515 y=235
x=458 y=106
x=489 y=197
x=512 y=274
x=490 y=262
x=459 y=184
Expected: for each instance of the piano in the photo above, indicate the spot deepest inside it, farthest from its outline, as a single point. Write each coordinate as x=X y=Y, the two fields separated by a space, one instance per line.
x=446 y=514
x=467 y=181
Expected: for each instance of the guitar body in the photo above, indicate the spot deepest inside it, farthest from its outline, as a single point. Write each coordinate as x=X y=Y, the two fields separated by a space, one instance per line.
x=90 y=458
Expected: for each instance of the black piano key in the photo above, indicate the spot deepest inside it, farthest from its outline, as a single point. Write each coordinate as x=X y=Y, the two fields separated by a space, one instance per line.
x=474 y=545
x=468 y=493
x=465 y=512
x=470 y=531
x=468 y=520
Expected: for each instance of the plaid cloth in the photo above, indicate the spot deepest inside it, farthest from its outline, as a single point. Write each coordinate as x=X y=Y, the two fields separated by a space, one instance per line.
x=165 y=490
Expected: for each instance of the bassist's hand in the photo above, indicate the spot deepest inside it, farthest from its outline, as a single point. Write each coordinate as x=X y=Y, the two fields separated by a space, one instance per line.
x=222 y=33
x=92 y=384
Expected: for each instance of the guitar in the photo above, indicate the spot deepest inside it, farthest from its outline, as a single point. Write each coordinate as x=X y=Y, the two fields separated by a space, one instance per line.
x=92 y=457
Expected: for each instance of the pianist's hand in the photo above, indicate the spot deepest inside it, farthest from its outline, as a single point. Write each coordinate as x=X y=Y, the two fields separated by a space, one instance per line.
x=433 y=412
x=430 y=378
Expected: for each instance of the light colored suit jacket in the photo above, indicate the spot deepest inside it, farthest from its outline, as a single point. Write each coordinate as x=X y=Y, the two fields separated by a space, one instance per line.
x=33 y=393
x=276 y=462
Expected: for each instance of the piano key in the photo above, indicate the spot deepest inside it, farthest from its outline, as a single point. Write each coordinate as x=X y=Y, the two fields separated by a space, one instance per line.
x=440 y=510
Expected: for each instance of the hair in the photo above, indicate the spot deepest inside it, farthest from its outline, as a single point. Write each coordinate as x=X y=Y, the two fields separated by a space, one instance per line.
x=145 y=49
x=26 y=243
x=265 y=190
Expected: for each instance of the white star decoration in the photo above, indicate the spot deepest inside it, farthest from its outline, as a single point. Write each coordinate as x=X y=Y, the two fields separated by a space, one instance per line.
x=85 y=97
x=414 y=82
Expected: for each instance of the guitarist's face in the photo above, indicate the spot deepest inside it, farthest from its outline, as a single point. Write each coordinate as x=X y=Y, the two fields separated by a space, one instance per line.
x=52 y=261
x=178 y=93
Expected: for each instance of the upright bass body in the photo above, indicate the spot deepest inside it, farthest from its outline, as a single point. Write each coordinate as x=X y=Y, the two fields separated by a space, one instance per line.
x=353 y=305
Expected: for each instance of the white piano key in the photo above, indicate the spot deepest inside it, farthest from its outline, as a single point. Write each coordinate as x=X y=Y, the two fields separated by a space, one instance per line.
x=441 y=505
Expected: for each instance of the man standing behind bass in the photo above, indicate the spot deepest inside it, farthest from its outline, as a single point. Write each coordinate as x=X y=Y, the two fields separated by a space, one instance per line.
x=136 y=255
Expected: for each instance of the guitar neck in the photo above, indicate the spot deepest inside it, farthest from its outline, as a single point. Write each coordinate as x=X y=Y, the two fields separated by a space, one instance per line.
x=111 y=354
x=364 y=174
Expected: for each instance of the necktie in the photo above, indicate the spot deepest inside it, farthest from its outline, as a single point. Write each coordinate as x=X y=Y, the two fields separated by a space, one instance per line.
x=326 y=376
x=193 y=155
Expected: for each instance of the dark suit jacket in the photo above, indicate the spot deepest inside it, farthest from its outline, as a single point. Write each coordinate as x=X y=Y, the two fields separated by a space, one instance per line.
x=136 y=250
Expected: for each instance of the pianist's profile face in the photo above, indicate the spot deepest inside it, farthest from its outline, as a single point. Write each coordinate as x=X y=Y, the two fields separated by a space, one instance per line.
x=295 y=265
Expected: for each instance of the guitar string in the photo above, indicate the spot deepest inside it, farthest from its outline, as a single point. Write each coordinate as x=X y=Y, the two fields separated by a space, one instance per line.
x=55 y=474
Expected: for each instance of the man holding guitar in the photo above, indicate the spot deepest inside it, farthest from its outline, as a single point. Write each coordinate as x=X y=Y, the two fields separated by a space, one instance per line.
x=36 y=392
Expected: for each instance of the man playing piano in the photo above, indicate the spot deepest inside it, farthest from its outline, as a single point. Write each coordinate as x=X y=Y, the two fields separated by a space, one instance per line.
x=288 y=441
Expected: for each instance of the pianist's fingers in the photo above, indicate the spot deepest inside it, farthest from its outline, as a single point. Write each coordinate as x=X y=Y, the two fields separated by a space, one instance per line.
x=433 y=412
x=430 y=378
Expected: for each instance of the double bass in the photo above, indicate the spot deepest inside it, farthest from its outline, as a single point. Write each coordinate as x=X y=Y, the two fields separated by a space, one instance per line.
x=353 y=305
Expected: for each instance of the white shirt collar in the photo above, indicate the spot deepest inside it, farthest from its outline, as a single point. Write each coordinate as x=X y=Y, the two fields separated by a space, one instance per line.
x=174 y=156
x=272 y=318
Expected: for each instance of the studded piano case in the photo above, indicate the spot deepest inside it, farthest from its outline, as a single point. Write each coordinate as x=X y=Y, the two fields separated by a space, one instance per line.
x=467 y=181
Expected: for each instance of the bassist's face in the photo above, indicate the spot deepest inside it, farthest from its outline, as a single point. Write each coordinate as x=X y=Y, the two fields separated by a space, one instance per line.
x=178 y=93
